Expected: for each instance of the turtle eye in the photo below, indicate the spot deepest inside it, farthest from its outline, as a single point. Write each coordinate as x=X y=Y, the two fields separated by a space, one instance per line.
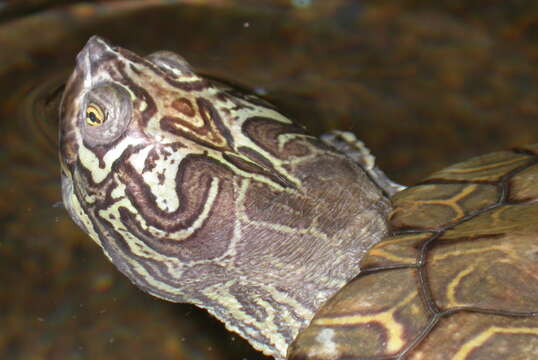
x=107 y=114
x=95 y=115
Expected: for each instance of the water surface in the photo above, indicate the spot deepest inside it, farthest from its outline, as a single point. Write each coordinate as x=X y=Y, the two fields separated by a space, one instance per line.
x=424 y=85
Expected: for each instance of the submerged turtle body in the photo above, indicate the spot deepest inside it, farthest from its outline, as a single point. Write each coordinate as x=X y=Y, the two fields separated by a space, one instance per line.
x=458 y=278
x=199 y=193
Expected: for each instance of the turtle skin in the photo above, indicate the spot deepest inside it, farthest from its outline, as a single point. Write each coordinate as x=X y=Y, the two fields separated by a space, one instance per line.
x=457 y=279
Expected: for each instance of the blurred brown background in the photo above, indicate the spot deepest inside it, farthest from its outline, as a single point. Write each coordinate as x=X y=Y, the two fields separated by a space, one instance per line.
x=424 y=84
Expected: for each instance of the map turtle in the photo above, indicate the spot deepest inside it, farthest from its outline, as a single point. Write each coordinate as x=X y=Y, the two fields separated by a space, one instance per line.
x=199 y=192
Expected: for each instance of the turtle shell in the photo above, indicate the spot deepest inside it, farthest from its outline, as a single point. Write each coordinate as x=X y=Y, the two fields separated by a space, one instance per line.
x=458 y=278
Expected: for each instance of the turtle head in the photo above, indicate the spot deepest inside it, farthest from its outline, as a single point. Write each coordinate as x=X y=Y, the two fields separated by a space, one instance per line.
x=199 y=193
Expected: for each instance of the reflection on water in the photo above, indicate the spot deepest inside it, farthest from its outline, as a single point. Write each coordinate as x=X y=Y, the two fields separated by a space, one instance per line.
x=424 y=86
x=37 y=113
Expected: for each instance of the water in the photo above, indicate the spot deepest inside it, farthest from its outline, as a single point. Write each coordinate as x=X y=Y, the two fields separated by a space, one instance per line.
x=424 y=86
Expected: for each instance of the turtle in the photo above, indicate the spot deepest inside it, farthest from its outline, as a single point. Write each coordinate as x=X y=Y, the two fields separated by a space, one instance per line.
x=201 y=192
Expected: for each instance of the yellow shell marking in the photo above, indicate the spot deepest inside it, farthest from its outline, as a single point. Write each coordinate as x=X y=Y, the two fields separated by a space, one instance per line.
x=479 y=340
x=453 y=285
x=394 y=329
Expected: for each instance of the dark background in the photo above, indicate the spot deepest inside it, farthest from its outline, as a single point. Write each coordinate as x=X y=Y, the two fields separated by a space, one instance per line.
x=424 y=84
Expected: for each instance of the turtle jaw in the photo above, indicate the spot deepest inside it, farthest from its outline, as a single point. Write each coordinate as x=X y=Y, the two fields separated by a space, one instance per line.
x=68 y=145
x=80 y=81
x=68 y=198
x=69 y=113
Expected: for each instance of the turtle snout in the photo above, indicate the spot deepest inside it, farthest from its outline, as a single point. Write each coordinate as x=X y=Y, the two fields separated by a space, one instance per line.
x=96 y=51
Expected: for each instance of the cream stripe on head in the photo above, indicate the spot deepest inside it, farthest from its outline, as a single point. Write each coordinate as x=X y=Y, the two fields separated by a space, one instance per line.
x=198 y=192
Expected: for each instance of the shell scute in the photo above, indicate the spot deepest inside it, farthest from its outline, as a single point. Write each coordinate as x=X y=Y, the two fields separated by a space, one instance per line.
x=385 y=318
x=522 y=186
x=459 y=274
x=398 y=250
x=475 y=336
x=486 y=168
x=433 y=206
x=488 y=262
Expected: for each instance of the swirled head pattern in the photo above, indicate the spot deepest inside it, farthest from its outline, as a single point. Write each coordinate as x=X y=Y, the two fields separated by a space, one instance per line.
x=200 y=193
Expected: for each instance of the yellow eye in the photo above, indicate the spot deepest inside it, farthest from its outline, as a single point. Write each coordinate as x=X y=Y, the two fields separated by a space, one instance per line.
x=94 y=115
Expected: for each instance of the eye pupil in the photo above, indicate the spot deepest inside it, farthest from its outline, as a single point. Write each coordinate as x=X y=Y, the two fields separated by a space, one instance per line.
x=94 y=115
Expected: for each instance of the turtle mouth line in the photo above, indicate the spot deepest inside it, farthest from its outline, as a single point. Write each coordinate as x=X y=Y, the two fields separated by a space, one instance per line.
x=67 y=196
